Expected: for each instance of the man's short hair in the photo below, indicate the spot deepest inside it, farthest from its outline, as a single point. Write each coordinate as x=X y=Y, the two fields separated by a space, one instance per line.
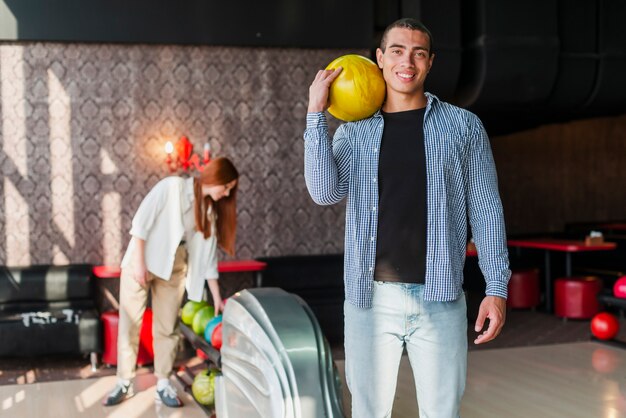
x=407 y=23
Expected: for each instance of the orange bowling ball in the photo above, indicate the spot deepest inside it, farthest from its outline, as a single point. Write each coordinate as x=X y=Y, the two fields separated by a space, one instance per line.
x=359 y=90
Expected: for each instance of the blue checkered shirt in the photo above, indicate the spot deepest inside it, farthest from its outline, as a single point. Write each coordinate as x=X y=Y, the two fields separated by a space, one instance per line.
x=461 y=185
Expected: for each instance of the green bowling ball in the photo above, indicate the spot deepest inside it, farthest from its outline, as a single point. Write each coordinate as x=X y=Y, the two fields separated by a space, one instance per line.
x=189 y=311
x=201 y=318
x=203 y=387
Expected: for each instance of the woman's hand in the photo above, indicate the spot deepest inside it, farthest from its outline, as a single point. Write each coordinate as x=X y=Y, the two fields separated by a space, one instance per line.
x=140 y=271
x=219 y=306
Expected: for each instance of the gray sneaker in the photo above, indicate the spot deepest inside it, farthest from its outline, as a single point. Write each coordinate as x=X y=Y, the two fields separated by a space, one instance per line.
x=169 y=396
x=118 y=394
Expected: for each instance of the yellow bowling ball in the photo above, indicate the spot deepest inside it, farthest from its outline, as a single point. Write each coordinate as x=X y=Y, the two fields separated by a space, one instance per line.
x=359 y=90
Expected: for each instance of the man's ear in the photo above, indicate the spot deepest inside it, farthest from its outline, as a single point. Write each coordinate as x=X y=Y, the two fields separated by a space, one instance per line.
x=379 y=58
x=431 y=59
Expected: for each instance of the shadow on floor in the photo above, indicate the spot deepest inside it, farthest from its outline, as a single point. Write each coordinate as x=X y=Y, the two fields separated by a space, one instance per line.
x=522 y=328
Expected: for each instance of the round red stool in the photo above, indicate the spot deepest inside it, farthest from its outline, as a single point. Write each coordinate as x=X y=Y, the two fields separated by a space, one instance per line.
x=523 y=289
x=110 y=320
x=577 y=297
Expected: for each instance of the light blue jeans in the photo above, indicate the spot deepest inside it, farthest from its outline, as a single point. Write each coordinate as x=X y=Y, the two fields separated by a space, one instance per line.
x=435 y=337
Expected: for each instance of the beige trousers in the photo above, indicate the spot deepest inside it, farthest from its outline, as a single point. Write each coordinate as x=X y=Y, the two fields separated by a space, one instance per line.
x=167 y=296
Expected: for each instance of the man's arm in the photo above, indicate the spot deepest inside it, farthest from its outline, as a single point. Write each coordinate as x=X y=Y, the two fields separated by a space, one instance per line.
x=326 y=164
x=487 y=222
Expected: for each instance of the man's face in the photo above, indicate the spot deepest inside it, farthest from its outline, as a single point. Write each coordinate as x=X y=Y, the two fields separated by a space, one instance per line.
x=406 y=61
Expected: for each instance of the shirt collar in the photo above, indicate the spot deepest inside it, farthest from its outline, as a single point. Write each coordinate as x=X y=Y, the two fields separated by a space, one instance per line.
x=189 y=189
x=430 y=98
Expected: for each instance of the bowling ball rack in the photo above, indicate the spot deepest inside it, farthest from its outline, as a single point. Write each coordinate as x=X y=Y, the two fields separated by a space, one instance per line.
x=199 y=343
x=185 y=375
x=274 y=337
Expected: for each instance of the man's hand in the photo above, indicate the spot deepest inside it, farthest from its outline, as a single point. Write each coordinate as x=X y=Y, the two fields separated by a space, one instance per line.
x=318 y=91
x=494 y=308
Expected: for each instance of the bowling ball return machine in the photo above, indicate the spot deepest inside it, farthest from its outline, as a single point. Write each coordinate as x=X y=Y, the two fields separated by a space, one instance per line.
x=274 y=360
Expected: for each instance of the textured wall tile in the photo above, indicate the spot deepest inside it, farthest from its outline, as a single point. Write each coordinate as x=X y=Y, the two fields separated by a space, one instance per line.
x=124 y=103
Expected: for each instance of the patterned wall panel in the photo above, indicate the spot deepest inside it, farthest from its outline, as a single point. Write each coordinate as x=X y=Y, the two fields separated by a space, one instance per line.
x=82 y=137
x=83 y=128
x=557 y=174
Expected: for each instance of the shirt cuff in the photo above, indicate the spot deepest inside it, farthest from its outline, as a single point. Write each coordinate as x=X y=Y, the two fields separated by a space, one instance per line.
x=212 y=275
x=497 y=288
x=135 y=231
x=316 y=120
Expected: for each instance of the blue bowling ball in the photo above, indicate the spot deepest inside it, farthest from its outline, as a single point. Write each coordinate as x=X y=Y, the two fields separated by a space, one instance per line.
x=210 y=326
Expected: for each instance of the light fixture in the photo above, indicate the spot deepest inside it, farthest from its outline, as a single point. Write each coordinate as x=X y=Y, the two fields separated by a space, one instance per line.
x=183 y=158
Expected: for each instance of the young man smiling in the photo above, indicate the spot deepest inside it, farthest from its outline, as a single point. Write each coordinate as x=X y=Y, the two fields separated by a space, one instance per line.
x=413 y=173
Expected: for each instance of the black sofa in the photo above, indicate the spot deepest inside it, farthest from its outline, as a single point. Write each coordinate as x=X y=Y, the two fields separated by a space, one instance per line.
x=318 y=279
x=49 y=310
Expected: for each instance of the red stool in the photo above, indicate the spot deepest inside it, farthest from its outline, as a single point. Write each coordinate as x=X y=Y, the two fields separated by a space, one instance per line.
x=523 y=289
x=145 y=355
x=576 y=297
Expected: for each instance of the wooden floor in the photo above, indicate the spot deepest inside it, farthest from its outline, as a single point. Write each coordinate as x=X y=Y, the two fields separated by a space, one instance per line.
x=586 y=380
x=83 y=399
x=579 y=380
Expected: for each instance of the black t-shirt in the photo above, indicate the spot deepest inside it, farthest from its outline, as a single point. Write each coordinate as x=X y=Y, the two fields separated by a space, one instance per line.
x=401 y=243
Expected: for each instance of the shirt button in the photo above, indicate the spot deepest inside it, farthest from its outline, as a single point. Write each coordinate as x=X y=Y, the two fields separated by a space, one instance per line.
x=371 y=268
x=372 y=238
x=375 y=149
x=374 y=179
x=373 y=208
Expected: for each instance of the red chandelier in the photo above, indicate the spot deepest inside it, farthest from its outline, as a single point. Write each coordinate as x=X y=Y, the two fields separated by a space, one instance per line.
x=183 y=158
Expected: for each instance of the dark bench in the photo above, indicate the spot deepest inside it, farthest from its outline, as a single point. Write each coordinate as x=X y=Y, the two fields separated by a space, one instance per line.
x=49 y=310
x=318 y=279
x=607 y=298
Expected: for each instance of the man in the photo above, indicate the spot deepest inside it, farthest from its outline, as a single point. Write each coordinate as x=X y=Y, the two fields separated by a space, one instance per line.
x=413 y=173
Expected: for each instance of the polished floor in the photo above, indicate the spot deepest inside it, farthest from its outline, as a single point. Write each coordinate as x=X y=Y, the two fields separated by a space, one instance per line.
x=540 y=366
x=577 y=380
x=573 y=380
x=82 y=399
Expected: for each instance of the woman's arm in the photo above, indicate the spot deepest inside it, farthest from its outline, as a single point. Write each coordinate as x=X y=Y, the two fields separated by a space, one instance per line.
x=151 y=205
x=214 y=288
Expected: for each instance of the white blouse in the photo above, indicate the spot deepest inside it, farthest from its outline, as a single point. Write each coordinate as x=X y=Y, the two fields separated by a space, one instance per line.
x=164 y=217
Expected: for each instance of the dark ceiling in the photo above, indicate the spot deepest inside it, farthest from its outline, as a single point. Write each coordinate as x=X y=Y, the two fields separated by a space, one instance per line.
x=523 y=64
x=516 y=64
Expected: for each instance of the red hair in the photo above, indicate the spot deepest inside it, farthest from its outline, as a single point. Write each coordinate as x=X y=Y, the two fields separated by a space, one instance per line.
x=218 y=172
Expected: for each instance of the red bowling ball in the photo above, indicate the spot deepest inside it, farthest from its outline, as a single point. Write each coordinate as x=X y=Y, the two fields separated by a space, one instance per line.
x=216 y=338
x=619 y=288
x=604 y=326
